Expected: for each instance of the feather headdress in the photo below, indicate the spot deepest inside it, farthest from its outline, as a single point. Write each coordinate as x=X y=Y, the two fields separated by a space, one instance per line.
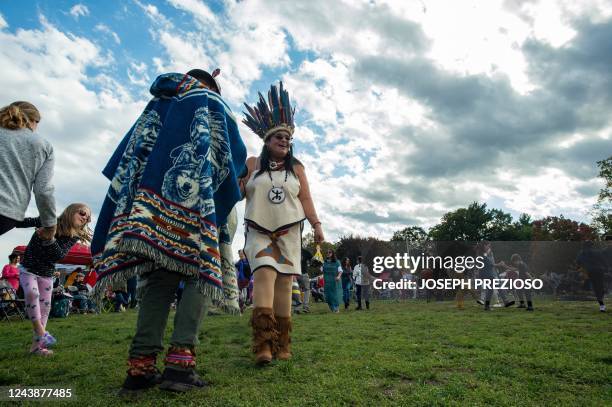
x=266 y=118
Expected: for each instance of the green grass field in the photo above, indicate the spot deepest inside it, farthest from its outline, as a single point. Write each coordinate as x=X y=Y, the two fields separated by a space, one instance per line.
x=408 y=353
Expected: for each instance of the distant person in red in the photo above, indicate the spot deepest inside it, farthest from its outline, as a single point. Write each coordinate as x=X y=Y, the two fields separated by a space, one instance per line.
x=10 y=272
x=91 y=277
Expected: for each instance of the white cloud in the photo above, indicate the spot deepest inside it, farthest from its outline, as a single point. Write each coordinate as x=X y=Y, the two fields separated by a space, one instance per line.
x=355 y=135
x=540 y=194
x=82 y=115
x=106 y=30
x=154 y=14
x=137 y=74
x=199 y=10
x=234 y=45
x=3 y=23
x=79 y=10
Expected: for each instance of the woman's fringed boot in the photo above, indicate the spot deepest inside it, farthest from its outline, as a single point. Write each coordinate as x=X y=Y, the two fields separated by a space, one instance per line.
x=284 y=338
x=265 y=334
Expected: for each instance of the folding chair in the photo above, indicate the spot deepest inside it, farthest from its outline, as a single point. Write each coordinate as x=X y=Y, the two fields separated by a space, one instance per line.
x=107 y=304
x=10 y=305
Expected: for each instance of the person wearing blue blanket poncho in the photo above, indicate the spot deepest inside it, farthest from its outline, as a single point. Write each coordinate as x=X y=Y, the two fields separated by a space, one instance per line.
x=168 y=217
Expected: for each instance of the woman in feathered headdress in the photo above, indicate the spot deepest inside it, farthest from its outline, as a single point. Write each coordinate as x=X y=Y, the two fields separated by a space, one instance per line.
x=278 y=202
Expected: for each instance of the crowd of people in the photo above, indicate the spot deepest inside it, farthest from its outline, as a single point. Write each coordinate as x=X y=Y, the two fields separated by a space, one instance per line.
x=168 y=221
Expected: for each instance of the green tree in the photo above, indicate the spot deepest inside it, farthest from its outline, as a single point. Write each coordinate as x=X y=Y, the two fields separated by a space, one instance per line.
x=602 y=210
x=366 y=247
x=414 y=235
x=523 y=229
x=474 y=223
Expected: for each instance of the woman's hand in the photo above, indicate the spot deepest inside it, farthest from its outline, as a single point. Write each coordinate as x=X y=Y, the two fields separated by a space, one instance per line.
x=319 y=237
x=46 y=233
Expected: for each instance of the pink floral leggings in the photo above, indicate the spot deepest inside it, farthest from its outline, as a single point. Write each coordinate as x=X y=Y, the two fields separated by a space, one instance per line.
x=37 y=291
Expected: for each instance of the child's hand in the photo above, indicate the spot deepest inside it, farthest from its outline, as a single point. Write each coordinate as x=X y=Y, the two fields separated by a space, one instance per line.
x=46 y=233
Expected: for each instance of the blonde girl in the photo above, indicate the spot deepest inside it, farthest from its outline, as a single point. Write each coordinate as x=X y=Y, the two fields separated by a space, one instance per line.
x=38 y=266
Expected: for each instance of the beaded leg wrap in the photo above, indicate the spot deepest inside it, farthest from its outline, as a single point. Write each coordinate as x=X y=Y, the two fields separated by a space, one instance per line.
x=265 y=334
x=283 y=351
x=142 y=366
x=180 y=357
x=142 y=374
x=179 y=374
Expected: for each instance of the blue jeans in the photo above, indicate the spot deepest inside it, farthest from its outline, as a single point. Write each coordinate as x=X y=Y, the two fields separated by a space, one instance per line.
x=346 y=291
x=120 y=299
x=83 y=303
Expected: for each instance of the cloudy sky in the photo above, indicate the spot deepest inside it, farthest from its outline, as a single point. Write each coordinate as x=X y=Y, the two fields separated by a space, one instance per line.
x=405 y=109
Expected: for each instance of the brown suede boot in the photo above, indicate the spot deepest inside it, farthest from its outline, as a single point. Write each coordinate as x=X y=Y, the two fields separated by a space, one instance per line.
x=284 y=338
x=265 y=335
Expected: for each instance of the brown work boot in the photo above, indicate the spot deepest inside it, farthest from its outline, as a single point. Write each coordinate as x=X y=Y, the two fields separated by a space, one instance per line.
x=284 y=338
x=265 y=335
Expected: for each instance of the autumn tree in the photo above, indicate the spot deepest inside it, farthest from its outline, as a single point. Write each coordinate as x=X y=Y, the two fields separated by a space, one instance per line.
x=560 y=228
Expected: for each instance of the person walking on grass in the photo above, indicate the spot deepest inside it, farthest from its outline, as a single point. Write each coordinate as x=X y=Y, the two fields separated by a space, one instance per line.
x=594 y=263
x=347 y=281
x=26 y=166
x=520 y=271
x=278 y=201
x=304 y=279
x=332 y=272
x=167 y=218
x=488 y=273
x=38 y=266
x=362 y=278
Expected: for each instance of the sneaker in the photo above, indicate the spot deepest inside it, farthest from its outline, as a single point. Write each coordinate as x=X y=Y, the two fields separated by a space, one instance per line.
x=509 y=304
x=480 y=302
x=602 y=308
x=181 y=380
x=47 y=340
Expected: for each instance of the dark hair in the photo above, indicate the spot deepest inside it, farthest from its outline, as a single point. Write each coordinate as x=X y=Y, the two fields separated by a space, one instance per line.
x=346 y=262
x=13 y=256
x=290 y=161
x=480 y=246
x=333 y=258
x=205 y=78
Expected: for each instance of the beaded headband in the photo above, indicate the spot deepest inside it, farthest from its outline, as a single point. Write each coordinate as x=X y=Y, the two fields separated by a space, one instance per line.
x=267 y=118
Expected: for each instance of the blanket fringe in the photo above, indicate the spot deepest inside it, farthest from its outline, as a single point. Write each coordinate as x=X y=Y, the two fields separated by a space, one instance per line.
x=139 y=248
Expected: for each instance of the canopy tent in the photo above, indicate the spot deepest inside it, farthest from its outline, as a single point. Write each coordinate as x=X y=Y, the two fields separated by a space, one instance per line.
x=79 y=255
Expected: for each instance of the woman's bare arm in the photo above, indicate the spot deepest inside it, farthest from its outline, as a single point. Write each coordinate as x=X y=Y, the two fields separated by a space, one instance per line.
x=308 y=204
x=251 y=162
